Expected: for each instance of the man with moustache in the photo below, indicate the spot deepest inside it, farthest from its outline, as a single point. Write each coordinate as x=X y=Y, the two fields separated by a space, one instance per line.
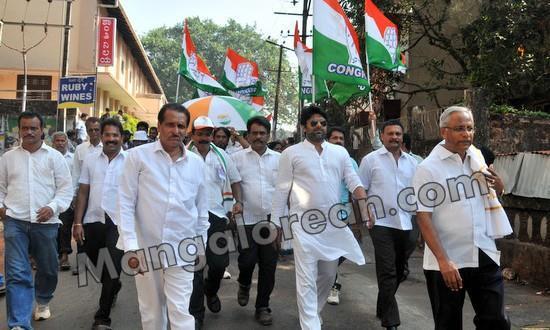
x=460 y=231
x=385 y=173
x=60 y=142
x=258 y=167
x=222 y=182
x=35 y=187
x=221 y=137
x=163 y=200
x=309 y=178
x=94 y=224
x=82 y=150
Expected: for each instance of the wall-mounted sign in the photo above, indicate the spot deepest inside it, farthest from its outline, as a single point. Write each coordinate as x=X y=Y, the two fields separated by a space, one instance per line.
x=75 y=92
x=106 y=41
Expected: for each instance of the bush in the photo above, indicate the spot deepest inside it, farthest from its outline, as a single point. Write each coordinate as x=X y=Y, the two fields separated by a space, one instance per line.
x=523 y=112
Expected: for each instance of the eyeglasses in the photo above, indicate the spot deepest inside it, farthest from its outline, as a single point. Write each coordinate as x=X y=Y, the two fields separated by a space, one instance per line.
x=314 y=123
x=93 y=129
x=461 y=129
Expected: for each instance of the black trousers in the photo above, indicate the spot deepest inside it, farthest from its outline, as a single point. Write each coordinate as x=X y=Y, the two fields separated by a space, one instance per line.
x=413 y=237
x=65 y=234
x=266 y=257
x=390 y=253
x=104 y=236
x=217 y=262
x=484 y=286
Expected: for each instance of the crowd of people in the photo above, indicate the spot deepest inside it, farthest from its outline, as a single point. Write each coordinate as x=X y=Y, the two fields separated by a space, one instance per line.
x=160 y=207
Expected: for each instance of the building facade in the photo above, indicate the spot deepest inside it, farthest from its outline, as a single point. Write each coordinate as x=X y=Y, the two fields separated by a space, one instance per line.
x=129 y=84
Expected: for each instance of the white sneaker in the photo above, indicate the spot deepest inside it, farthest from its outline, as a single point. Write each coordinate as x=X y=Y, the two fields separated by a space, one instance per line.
x=333 y=297
x=17 y=328
x=226 y=275
x=42 y=312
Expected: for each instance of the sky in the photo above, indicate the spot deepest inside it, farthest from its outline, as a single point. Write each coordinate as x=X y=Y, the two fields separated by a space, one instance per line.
x=147 y=14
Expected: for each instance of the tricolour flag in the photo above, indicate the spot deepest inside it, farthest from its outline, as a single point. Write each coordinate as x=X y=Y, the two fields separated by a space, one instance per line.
x=304 y=55
x=241 y=78
x=238 y=71
x=194 y=70
x=382 y=41
x=335 y=45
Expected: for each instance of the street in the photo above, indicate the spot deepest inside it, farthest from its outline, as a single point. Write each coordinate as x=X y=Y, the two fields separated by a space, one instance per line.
x=73 y=307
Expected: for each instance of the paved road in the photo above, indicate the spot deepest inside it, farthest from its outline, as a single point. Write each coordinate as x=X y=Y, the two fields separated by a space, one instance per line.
x=73 y=307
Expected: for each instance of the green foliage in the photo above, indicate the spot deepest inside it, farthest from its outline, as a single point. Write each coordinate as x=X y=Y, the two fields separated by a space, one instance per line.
x=523 y=112
x=130 y=122
x=163 y=46
x=508 y=49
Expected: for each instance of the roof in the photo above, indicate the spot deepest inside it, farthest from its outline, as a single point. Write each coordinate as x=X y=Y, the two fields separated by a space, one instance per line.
x=525 y=173
x=539 y=152
x=133 y=42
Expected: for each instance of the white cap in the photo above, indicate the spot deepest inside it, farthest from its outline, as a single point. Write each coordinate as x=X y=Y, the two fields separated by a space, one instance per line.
x=141 y=136
x=203 y=122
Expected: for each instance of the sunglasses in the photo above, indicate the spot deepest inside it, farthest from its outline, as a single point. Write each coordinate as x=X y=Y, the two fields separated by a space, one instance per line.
x=314 y=123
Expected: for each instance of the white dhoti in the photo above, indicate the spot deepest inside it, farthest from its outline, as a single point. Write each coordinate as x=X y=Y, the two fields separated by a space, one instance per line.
x=164 y=296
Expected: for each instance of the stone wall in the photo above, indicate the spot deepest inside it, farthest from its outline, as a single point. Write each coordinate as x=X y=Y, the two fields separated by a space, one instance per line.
x=507 y=133
x=527 y=250
x=512 y=133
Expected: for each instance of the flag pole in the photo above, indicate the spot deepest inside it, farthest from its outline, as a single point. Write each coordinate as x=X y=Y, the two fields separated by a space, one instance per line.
x=372 y=123
x=179 y=63
x=313 y=88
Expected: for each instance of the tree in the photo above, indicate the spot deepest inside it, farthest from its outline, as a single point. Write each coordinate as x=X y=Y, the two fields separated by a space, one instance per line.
x=163 y=46
x=502 y=46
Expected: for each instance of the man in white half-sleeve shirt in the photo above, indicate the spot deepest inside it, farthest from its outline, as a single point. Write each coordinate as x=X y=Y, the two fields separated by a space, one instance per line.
x=258 y=166
x=82 y=150
x=309 y=179
x=35 y=187
x=163 y=202
x=94 y=225
x=460 y=256
x=60 y=142
x=385 y=173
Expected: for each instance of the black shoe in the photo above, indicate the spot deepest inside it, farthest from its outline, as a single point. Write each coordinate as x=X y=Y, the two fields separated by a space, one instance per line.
x=263 y=316
x=213 y=303
x=243 y=295
x=99 y=325
x=75 y=271
x=393 y=327
x=198 y=324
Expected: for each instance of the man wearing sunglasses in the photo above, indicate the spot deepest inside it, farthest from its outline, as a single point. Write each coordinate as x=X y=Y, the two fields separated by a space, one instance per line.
x=309 y=178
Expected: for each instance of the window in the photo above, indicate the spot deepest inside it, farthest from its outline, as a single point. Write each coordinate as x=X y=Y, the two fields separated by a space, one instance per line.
x=38 y=87
x=122 y=66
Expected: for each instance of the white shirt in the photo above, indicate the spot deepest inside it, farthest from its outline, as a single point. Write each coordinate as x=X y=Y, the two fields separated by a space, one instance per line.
x=161 y=201
x=216 y=177
x=80 y=128
x=311 y=181
x=258 y=176
x=69 y=158
x=82 y=150
x=460 y=225
x=30 y=181
x=383 y=177
x=103 y=178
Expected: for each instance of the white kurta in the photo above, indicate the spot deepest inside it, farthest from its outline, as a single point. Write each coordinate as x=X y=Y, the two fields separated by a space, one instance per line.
x=311 y=181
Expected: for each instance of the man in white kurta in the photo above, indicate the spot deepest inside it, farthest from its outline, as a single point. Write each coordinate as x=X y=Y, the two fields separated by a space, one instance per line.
x=163 y=202
x=309 y=178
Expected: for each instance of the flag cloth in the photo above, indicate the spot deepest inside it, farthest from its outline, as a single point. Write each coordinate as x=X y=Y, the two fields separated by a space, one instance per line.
x=241 y=79
x=382 y=41
x=336 y=46
x=194 y=70
x=305 y=80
